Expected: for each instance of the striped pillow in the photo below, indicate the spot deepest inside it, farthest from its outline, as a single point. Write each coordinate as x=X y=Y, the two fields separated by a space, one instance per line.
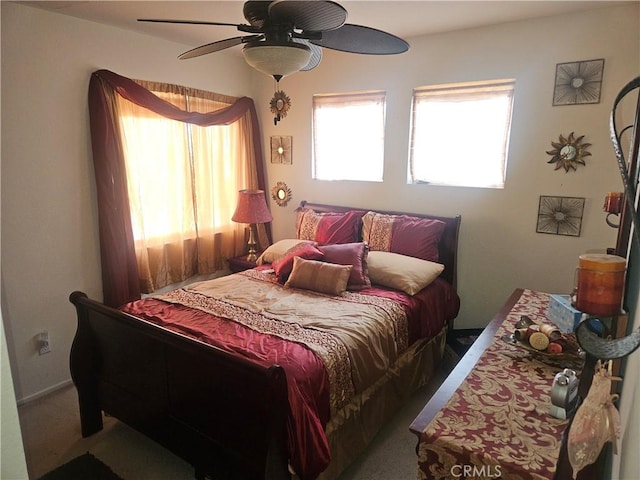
x=319 y=277
x=328 y=228
x=403 y=234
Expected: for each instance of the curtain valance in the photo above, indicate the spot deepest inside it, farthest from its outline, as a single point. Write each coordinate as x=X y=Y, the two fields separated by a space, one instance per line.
x=119 y=267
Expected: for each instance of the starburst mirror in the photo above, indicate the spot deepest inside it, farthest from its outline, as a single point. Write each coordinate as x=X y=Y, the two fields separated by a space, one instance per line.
x=279 y=105
x=281 y=194
x=569 y=152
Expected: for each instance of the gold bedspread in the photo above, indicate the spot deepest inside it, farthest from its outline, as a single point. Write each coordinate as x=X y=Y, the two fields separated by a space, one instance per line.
x=357 y=336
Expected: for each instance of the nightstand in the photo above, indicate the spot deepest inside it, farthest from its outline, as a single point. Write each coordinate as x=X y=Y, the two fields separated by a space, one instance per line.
x=239 y=264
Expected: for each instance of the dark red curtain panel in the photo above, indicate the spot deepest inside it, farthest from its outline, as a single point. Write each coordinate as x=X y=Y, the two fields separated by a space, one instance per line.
x=120 y=283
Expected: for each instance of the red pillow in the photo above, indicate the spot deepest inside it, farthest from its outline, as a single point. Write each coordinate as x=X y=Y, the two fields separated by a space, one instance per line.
x=282 y=266
x=354 y=254
x=403 y=234
x=330 y=227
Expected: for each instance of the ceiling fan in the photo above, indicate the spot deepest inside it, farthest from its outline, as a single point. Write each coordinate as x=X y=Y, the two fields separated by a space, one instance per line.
x=287 y=36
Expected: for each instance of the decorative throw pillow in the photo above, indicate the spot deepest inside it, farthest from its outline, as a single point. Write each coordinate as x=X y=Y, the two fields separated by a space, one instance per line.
x=282 y=266
x=278 y=249
x=319 y=277
x=330 y=227
x=401 y=272
x=403 y=234
x=354 y=254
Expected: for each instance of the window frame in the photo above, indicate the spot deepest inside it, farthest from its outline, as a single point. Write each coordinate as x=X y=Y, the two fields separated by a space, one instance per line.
x=462 y=92
x=359 y=142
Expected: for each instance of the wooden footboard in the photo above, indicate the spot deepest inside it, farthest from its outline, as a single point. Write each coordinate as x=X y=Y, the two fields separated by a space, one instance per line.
x=224 y=415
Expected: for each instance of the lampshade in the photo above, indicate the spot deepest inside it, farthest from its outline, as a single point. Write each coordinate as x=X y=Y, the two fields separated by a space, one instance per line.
x=277 y=59
x=252 y=207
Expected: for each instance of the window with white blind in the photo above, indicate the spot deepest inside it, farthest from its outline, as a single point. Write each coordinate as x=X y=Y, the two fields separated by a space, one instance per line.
x=460 y=134
x=348 y=136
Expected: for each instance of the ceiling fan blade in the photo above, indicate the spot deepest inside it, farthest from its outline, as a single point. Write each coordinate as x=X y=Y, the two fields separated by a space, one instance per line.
x=241 y=27
x=256 y=13
x=359 y=39
x=219 y=45
x=191 y=22
x=315 y=16
x=316 y=54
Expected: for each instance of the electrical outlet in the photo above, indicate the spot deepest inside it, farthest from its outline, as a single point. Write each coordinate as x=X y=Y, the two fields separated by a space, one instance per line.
x=44 y=345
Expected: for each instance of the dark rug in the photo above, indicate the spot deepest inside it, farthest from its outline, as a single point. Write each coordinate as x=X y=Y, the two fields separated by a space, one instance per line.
x=84 y=467
x=461 y=340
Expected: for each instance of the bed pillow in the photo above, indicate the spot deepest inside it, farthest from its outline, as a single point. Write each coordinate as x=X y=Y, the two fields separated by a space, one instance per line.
x=354 y=254
x=329 y=227
x=319 y=277
x=282 y=266
x=278 y=249
x=402 y=272
x=403 y=234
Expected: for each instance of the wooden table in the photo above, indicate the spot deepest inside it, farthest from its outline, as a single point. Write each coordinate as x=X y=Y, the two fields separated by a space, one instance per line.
x=240 y=263
x=491 y=416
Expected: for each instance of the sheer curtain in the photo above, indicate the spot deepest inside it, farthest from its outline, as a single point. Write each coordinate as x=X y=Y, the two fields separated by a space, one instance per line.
x=169 y=162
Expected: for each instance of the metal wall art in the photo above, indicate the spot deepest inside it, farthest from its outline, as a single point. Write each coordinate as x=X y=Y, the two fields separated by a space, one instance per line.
x=281 y=149
x=578 y=82
x=569 y=152
x=280 y=105
x=560 y=215
x=281 y=194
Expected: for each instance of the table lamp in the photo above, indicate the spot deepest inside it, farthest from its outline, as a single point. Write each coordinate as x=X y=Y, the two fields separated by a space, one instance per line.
x=251 y=209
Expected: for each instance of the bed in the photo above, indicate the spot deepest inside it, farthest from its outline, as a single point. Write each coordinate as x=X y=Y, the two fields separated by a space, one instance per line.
x=287 y=370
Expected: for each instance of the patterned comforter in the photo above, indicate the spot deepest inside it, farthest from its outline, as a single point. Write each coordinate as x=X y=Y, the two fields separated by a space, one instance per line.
x=331 y=347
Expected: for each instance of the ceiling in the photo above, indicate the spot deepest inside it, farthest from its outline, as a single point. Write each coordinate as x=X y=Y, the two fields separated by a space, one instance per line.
x=402 y=18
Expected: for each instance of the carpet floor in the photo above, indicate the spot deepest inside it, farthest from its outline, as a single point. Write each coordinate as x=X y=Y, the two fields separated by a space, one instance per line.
x=84 y=467
x=51 y=432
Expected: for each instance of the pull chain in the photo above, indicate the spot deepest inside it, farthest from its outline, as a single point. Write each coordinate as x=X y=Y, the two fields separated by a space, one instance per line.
x=276 y=88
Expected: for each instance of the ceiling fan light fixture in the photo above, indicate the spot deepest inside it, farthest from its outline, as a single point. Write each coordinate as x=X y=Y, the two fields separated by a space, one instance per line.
x=277 y=59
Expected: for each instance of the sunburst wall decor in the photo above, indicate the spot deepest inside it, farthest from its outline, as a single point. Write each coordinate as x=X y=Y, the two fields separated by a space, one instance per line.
x=281 y=194
x=569 y=152
x=560 y=215
x=578 y=82
x=280 y=105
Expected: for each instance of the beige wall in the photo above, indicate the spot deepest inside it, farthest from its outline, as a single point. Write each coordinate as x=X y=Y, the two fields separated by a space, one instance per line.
x=49 y=225
x=499 y=247
x=49 y=217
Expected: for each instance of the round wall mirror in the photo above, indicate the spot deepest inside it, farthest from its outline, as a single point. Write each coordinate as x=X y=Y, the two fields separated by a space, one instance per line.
x=281 y=194
x=568 y=152
x=280 y=105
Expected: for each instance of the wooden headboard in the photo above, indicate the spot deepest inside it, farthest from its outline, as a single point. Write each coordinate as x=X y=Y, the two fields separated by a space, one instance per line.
x=448 y=247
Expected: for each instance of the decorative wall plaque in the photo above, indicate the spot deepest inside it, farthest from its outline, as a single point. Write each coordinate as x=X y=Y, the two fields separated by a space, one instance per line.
x=560 y=215
x=578 y=82
x=281 y=149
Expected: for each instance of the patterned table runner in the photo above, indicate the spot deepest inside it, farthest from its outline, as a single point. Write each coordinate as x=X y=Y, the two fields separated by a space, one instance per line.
x=497 y=423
